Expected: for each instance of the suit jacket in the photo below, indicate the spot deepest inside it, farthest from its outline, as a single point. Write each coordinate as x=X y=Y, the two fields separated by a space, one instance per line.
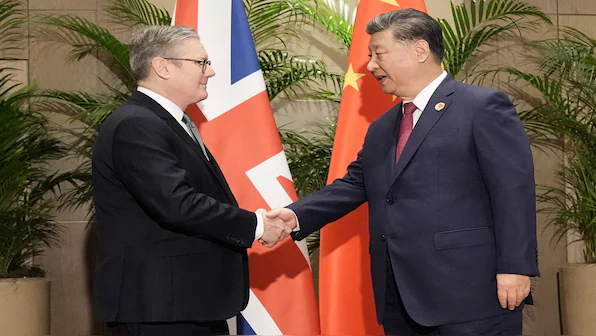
x=458 y=207
x=172 y=240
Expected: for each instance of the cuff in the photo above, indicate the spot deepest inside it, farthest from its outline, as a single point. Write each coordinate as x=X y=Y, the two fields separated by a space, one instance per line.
x=260 y=229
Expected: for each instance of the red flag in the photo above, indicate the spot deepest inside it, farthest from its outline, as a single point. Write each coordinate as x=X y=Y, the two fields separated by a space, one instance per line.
x=345 y=288
x=237 y=125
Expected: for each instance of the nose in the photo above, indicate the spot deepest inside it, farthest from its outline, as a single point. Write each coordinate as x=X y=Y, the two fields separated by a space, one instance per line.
x=372 y=65
x=209 y=72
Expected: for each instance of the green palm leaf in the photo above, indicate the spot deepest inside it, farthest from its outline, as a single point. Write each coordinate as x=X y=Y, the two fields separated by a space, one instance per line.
x=271 y=21
x=26 y=222
x=88 y=39
x=131 y=13
x=12 y=18
x=294 y=76
x=571 y=206
x=336 y=17
x=90 y=109
x=315 y=148
x=482 y=24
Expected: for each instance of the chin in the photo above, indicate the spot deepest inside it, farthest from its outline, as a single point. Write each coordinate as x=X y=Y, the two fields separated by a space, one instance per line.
x=387 y=90
x=202 y=96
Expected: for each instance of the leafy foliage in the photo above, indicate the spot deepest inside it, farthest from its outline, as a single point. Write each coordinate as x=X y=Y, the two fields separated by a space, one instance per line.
x=566 y=83
x=479 y=25
x=26 y=147
x=26 y=220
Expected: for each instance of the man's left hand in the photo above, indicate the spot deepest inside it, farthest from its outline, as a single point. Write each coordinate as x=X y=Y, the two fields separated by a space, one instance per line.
x=512 y=289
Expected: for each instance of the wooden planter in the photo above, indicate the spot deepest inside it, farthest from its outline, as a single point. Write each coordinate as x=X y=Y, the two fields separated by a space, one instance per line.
x=577 y=288
x=25 y=306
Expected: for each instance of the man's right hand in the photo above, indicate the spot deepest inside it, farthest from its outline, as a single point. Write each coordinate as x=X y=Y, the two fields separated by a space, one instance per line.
x=275 y=230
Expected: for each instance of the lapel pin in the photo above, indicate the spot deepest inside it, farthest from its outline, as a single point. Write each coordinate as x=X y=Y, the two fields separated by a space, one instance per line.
x=439 y=106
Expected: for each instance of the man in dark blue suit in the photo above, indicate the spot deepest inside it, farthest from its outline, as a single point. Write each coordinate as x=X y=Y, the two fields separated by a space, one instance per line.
x=449 y=180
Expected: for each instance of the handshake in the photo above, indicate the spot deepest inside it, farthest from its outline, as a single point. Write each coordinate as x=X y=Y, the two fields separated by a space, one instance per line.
x=278 y=224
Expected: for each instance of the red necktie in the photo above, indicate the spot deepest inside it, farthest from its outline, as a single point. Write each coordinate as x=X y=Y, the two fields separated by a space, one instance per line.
x=405 y=128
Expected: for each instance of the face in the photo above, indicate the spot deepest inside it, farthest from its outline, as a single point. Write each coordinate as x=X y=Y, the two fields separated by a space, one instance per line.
x=393 y=63
x=188 y=79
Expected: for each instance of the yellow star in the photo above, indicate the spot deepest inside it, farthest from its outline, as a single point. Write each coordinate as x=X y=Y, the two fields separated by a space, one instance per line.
x=394 y=97
x=391 y=2
x=352 y=77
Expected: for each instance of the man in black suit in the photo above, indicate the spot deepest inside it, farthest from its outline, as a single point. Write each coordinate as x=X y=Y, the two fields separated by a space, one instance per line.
x=449 y=180
x=172 y=240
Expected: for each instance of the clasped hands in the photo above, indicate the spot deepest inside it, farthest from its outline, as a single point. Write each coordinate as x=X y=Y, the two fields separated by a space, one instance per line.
x=278 y=224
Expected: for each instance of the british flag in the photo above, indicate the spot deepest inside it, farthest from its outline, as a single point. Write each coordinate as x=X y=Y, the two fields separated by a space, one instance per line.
x=237 y=124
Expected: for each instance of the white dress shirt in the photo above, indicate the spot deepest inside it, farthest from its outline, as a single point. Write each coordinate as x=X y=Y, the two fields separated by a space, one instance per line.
x=177 y=114
x=422 y=99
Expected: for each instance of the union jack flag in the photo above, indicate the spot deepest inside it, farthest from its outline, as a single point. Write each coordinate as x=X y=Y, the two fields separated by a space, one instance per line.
x=237 y=124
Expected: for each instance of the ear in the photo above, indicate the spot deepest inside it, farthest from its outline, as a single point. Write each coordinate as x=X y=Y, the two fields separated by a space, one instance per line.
x=422 y=49
x=161 y=67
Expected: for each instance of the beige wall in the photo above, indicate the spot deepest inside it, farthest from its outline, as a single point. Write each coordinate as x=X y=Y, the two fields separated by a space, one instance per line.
x=67 y=265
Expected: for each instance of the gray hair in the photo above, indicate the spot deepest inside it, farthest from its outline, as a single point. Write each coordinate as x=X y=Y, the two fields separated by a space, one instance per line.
x=410 y=25
x=154 y=41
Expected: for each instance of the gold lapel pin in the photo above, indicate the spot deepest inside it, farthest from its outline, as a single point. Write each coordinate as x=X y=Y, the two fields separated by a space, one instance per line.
x=439 y=106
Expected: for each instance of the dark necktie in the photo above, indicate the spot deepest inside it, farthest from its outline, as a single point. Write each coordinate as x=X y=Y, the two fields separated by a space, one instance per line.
x=405 y=128
x=194 y=132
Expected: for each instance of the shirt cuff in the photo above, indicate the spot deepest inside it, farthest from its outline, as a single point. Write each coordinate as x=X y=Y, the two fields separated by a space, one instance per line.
x=297 y=228
x=260 y=229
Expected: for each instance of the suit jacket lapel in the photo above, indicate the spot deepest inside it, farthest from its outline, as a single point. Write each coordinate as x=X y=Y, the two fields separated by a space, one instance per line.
x=221 y=177
x=427 y=120
x=390 y=132
x=175 y=126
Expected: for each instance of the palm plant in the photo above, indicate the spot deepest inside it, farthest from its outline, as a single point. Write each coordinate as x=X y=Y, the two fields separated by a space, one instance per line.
x=26 y=147
x=572 y=203
x=26 y=214
x=479 y=26
x=565 y=79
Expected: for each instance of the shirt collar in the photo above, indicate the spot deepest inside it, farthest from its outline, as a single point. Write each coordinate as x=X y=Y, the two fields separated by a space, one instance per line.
x=422 y=99
x=167 y=104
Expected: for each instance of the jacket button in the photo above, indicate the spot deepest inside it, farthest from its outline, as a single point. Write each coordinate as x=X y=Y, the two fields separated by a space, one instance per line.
x=390 y=200
x=383 y=238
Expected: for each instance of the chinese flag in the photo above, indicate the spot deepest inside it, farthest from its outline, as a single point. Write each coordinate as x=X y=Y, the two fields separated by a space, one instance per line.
x=345 y=288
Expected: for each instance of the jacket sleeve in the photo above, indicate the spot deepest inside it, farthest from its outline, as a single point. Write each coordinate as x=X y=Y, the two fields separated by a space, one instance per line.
x=332 y=202
x=506 y=163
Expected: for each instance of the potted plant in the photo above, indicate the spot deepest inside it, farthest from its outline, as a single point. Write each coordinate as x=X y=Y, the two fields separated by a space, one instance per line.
x=573 y=202
x=566 y=83
x=26 y=221
x=572 y=206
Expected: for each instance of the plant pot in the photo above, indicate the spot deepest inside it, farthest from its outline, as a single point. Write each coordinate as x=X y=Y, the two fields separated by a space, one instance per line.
x=25 y=306
x=577 y=288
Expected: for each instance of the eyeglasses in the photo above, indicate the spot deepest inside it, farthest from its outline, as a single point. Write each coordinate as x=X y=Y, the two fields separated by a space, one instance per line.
x=203 y=63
